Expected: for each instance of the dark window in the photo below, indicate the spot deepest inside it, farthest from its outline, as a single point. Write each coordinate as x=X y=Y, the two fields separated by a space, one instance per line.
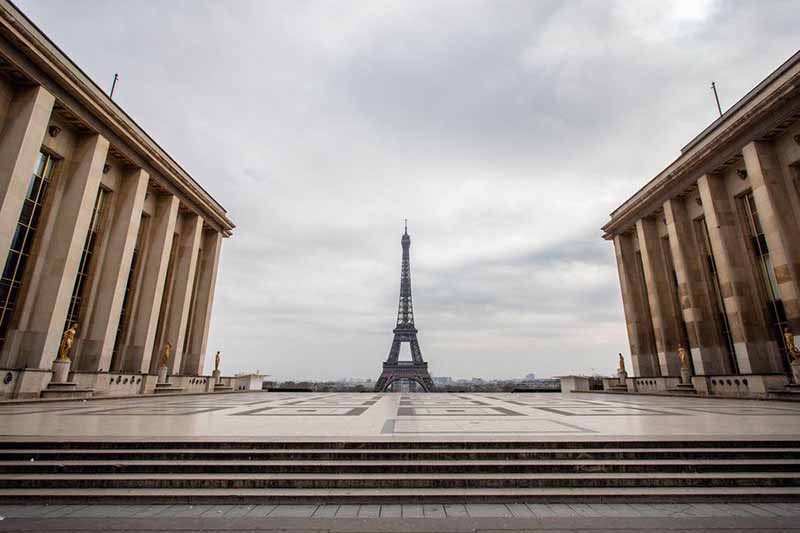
x=646 y=308
x=22 y=241
x=84 y=267
x=124 y=314
x=770 y=290
x=717 y=300
x=192 y=310
x=669 y=265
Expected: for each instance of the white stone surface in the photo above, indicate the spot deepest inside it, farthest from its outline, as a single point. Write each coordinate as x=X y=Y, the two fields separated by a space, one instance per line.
x=391 y=416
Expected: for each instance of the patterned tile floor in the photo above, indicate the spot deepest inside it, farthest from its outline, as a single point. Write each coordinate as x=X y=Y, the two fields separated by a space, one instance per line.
x=546 y=416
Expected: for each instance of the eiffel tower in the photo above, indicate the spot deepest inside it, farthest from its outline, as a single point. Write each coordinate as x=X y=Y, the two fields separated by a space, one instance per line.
x=405 y=331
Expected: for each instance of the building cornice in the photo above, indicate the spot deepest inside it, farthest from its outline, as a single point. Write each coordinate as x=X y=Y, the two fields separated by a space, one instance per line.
x=768 y=106
x=34 y=44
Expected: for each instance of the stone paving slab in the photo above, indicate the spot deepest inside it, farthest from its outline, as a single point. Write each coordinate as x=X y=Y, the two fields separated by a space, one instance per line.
x=413 y=417
x=404 y=525
x=431 y=511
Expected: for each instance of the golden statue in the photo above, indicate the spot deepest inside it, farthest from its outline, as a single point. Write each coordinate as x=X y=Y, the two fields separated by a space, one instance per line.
x=683 y=356
x=216 y=362
x=165 y=355
x=788 y=337
x=621 y=364
x=66 y=343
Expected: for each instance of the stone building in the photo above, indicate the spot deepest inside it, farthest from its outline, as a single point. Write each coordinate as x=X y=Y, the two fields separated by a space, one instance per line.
x=708 y=251
x=99 y=227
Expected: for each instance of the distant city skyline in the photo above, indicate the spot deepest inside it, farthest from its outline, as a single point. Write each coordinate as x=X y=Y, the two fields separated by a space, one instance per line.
x=505 y=132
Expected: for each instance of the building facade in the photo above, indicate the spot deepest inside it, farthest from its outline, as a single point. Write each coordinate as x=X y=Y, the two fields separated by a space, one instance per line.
x=99 y=227
x=708 y=252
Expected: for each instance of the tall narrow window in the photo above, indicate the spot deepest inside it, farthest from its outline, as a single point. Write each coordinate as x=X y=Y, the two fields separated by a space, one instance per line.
x=192 y=310
x=22 y=242
x=718 y=301
x=669 y=265
x=166 y=297
x=124 y=314
x=646 y=308
x=92 y=235
x=770 y=289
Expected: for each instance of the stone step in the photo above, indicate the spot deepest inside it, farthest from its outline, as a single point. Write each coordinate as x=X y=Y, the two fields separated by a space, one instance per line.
x=245 y=444
x=397 y=481
x=177 y=454
x=461 y=466
x=458 y=495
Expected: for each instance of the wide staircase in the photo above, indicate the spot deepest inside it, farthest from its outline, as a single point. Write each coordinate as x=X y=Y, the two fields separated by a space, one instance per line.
x=380 y=472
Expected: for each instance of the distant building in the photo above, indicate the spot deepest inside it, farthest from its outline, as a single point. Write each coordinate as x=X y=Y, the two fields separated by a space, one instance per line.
x=99 y=227
x=708 y=251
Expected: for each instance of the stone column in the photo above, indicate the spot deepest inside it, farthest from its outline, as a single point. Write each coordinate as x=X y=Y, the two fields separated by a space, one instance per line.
x=781 y=228
x=144 y=320
x=666 y=325
x=637 y=316
x=45 y=308
x=183 y=284
x=705 y=341
x=748 y=328
x=20 y=142
x=101 y=332
x=195 y=351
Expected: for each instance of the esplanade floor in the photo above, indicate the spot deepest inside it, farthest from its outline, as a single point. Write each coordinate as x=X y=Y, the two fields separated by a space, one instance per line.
x=368 y=416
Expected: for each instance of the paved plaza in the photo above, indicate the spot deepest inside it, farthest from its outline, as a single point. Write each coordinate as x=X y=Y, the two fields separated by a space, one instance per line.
x=517 y=517
x=362 y=418
x=496 y=416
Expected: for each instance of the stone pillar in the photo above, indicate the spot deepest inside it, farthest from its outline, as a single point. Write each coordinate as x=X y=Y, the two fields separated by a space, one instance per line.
x=100 y=333
x=20 y=142
x=778 y=221
x=705 y=340
x=748 y=328
x=144 y=320
x=637 y=316
x=666 y=325
x=41 y=322
x=183 y=284
x=195 y=351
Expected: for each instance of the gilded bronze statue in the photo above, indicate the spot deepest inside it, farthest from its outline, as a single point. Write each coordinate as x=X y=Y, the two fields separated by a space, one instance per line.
x=66 y=343
x=788 y=337
x=165 y=355
x=216 y=362
x=621 y=364
x=683 y=356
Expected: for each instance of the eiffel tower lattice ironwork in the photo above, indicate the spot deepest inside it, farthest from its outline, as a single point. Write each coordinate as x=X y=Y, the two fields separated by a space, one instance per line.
x=405 y=331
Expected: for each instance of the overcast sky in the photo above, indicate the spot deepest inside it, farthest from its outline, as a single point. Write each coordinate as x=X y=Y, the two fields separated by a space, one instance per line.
x=505 y=131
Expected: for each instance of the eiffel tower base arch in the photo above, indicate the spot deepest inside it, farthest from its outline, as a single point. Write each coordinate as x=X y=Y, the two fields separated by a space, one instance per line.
x=403 y=370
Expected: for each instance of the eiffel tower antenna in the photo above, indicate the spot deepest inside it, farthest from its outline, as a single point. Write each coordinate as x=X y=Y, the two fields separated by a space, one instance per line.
x=405 y=331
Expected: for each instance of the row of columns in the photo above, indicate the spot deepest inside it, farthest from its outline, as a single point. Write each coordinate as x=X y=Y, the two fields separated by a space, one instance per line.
x=653 y=321
x=36 y=331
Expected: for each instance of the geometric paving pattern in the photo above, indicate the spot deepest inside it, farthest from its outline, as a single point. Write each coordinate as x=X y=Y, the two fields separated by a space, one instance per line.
x=528 y=416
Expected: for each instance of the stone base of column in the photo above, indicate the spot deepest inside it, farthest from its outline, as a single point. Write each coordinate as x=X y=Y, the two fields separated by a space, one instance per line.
x=59 y=387
x=685 y=387
x=61 y=370
x=167 y=388
x=163 y=386
x=66 y=390
x=219 y=386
